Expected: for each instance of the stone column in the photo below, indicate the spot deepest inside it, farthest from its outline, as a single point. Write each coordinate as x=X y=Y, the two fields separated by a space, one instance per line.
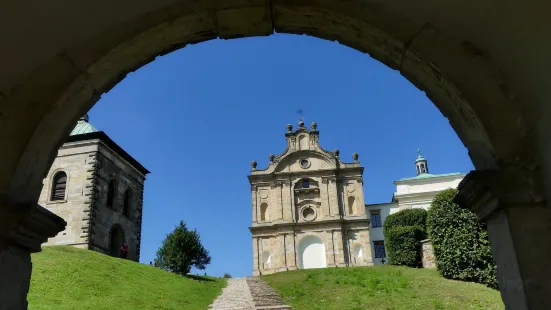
x=519 y=227
x=23 y=228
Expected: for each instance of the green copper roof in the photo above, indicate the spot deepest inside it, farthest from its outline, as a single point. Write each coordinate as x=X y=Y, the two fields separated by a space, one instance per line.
x=428 y=176
x=83 y=127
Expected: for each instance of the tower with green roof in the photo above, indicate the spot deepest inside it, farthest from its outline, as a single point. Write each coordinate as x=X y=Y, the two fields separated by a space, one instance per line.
x=421 y=164
x=97 y=187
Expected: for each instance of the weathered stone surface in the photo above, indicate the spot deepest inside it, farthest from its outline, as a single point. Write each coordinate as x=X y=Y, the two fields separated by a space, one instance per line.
x=428 y=259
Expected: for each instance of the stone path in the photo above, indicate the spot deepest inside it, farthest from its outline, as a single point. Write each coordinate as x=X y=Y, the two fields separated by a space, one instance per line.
x=248 y=294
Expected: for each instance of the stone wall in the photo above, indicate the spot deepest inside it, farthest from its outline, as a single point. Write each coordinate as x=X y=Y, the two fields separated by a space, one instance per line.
x=77 y=160
x=429 y=261
x=112 y=167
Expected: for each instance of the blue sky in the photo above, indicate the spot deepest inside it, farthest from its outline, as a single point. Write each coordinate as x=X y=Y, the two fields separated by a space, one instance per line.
x=197 y=117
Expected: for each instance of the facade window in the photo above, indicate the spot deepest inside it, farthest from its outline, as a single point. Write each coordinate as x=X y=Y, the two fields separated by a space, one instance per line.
x=58 y=186
x=127 y=202
x=379 y=249
x=264 y=211
x=111 y=193
x=306 y=184
x=376 y=218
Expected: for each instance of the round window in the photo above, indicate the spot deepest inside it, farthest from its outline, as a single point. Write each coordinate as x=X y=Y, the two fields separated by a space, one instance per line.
x=308 y=214
x=304 y=163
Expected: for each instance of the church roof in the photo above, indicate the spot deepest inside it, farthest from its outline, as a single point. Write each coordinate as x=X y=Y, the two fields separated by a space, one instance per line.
x=85 y=131
x=83 y=127
x=428 y=176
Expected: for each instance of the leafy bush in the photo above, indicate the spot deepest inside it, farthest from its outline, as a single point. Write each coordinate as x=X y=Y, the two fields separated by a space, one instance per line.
x=460 y=242
x=227 y=276
x=403 y=232
x=404 y=245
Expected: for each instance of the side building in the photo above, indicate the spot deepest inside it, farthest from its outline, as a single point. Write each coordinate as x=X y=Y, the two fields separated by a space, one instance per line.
x=308 y=208
x=413 y=192
x=97 y=188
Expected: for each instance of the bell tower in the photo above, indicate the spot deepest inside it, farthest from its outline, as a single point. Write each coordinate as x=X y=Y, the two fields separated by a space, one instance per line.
x=421 y=164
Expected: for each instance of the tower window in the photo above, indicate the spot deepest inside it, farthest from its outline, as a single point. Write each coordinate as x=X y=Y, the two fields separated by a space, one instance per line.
x=111 y=193
x=306 y=184
x=127 y=202
x=58 y=187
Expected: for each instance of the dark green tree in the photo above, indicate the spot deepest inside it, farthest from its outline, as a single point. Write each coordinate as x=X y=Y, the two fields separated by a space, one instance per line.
x=460 y=241
x=181 y=250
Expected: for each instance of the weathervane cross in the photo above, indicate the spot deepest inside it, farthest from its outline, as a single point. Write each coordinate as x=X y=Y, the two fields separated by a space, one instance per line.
x=300 y=112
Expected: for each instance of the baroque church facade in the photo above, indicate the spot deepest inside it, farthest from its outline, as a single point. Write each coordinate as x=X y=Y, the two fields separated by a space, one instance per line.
x=97 y=188
x=308 y=207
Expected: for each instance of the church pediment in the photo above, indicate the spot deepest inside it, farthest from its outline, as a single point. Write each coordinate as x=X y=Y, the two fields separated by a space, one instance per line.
x=303 y=153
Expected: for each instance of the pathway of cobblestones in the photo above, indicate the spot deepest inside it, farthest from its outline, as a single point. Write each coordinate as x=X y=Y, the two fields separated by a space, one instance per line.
x=237 y=296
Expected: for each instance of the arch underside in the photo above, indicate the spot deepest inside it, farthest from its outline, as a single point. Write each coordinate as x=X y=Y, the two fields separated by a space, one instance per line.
x=457 y=76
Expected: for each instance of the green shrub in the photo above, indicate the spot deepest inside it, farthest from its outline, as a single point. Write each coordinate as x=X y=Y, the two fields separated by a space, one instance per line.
x=407 y=217
x=404 y=246
x=403 y=232
x=460 y=242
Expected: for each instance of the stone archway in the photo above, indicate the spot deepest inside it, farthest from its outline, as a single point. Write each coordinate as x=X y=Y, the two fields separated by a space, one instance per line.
x=486 y=72
x=311 y=253
x=116 y=240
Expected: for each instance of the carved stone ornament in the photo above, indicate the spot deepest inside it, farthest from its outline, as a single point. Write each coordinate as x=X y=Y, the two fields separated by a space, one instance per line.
x=324 y=180
x=360 y=180
x=276 y=184
x=253 y=188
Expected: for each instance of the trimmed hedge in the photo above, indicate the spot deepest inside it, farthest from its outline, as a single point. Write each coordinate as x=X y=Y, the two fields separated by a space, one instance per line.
x=407 y=217
x=404 y=245
x=403 y=232
x=460 y=242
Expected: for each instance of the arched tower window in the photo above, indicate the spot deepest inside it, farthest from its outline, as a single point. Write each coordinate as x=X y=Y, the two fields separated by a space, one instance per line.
x=306 y=183
x=59 y=184
x=264 y=211
x=351 y=205
x=127 y=202
x=111 y=189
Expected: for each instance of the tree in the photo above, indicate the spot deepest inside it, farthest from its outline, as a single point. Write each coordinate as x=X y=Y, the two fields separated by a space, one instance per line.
x=460 y=242
x=227 y=276
x=403 y=232
x=181 y=250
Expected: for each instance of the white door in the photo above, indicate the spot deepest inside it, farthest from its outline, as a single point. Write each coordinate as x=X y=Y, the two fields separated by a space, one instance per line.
x=311 y=253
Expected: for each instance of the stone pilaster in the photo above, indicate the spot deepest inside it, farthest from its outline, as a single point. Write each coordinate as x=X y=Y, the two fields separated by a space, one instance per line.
x=333 y=197
x=287 y=202
x=23 y=228
x=254 y=202
x=256 y=272
x=324 y=195
x=519 y=228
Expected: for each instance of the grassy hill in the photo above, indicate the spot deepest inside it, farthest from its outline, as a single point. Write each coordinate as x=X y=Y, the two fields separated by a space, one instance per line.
x=69 y=278
x=379 y=287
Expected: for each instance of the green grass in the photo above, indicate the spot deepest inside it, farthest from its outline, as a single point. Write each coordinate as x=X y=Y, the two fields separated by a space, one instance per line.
x=379 y=287
x=69 y=278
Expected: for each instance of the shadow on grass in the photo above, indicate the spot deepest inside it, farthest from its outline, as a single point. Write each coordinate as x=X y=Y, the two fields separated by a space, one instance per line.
x=198 y=278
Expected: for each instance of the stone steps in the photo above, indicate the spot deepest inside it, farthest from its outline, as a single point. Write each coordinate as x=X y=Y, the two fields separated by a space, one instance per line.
x=265 y=297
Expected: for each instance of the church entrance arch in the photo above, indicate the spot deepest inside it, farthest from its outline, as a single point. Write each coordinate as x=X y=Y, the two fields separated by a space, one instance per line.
x=116 y=240
x=311 y=253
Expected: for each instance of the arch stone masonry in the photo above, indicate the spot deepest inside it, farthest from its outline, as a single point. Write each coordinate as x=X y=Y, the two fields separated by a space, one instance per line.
x=485 y=65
